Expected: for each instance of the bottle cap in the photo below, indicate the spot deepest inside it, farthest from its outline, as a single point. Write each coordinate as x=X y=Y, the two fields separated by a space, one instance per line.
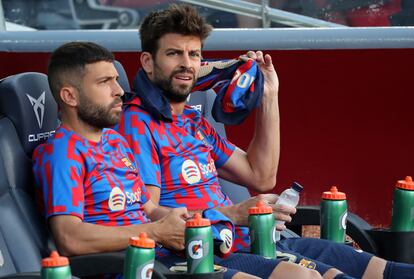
x=197 y=221
x=333 y=194
x=297 y=187
x=260 y=208
x=407 y=184
x=55 y=260
x=142 y=241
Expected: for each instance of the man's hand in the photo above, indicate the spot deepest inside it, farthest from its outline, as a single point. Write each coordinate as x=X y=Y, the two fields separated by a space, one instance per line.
x=170 y=229
x=239 y=213
x=271 y=80
x=257 y=167
x=282 y=213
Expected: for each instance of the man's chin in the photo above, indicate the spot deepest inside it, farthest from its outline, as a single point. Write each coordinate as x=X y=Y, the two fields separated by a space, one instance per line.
x=115 y=120
x=112 y=120
x=177 y=97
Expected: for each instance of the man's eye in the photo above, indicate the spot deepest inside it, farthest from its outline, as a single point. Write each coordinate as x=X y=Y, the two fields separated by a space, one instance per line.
x=104 y=81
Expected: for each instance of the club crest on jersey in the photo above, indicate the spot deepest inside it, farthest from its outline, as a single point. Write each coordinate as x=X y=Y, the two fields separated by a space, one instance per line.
x=128 y=164
x=307 y=264
x=190 y=172
x=200 y=136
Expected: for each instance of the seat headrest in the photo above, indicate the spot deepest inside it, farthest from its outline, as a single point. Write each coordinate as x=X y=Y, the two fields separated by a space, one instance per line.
x=26 y=100
x=123 y=78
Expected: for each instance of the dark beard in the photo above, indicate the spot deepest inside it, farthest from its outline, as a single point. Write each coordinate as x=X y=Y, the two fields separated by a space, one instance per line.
x=95 y=115
x=175 y=95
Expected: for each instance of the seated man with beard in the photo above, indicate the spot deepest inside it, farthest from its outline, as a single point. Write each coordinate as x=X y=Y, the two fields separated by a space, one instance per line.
x=181 y=156
x=91 y=190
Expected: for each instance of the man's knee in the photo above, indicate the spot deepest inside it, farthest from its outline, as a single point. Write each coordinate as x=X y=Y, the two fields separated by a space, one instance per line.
x=313 y=274
x=331 y=273
x=334 y=273
x=287 y=270
x=375 y=268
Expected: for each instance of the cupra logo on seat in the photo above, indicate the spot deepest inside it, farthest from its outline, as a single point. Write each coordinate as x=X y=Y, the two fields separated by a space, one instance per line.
x=38 y=107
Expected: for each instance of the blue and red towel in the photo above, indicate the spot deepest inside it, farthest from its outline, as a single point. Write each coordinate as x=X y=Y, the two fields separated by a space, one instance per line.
x=238 y=84
x=223 y=232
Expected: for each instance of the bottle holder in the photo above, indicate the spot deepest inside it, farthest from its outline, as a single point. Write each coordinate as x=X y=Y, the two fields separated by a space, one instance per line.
x=218 y=274
x=394 y=246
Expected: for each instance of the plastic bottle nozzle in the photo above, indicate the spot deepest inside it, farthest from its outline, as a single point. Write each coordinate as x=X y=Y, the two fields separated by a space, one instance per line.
x=55 y=260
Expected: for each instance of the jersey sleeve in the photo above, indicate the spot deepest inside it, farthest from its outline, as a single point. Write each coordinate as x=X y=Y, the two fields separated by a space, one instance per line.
x=59 y=176
x=221 y=147
x=145 y=195
x=134 y=126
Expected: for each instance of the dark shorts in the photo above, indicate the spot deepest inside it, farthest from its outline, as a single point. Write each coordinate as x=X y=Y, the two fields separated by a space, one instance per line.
x=322 y=255
x=248 y=263
x=312 y=253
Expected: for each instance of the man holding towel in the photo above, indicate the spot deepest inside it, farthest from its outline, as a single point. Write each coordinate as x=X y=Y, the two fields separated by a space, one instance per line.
x=181 y=156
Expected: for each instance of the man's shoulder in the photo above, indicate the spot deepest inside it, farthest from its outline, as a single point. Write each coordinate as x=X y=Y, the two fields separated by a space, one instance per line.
x=135 y=108
x=113 y=136
x=57 y=147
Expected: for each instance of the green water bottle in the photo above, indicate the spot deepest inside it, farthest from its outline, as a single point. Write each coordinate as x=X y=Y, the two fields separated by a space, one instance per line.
x=199 y=247
x=262 y=227
x=140 y=255
x=333 y=215
x=403 y=206
x=55 y=267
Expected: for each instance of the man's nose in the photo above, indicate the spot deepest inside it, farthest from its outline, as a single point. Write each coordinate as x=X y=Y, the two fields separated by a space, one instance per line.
x=117 y=89
x=186 y=61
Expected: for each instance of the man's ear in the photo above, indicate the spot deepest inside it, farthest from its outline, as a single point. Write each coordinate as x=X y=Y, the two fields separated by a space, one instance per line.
x=147 y=62
x=69 y=96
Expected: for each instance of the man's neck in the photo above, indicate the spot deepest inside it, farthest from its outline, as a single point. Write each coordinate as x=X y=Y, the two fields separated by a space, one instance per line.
x=83 y=129
x=177 y=108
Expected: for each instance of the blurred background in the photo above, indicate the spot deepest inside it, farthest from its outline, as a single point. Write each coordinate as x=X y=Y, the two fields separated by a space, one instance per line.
x=127 y=14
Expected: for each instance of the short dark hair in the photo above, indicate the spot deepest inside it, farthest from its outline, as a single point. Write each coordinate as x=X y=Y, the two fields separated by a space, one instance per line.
x=179 y=19
x=67 y=64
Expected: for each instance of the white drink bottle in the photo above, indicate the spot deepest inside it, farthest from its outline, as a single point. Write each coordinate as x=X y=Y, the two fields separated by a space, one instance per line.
x=289 y=197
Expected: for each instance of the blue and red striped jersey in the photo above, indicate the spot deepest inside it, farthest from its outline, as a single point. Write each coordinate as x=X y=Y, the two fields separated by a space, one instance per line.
x=97 y=182
x=180 y=157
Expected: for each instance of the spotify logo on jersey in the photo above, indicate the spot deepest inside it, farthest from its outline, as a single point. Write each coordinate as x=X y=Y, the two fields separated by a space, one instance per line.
x=116 y=200
x=190 y=172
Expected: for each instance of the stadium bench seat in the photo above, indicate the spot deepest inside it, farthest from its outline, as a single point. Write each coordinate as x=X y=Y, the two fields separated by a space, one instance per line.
x=28 y=116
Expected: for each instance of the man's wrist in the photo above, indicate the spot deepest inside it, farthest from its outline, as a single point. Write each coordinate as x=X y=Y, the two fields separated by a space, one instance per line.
x=231 y=212
x=154 y=231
